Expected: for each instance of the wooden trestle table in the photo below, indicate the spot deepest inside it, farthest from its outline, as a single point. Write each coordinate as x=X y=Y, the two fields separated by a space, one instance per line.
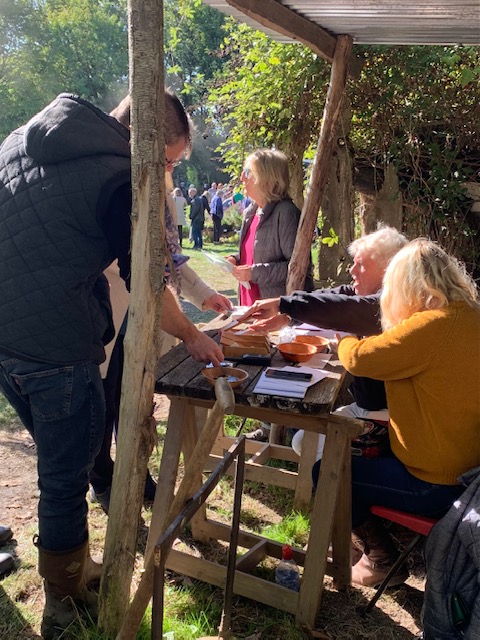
x=191 y=395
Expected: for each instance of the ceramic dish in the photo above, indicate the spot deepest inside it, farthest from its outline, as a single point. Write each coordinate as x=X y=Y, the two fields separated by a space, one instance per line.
x=296 y=352
x=318 y=342
x=234 y=376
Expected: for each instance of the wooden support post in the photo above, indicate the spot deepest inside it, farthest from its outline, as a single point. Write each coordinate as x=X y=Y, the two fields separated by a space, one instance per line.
x=318 y=180
x=135 y=440
x=225 y=403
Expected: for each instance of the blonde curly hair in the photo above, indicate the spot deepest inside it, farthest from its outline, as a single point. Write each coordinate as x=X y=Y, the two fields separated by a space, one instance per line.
x=423 y=276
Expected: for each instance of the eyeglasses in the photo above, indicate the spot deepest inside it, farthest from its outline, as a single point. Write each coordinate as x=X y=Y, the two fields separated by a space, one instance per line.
x=172 y=163
x=247 y=172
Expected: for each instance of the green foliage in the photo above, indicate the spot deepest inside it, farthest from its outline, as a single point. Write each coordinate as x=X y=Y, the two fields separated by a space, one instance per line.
x=419 y=108
x=49 y=46
x=332 y=238
x=269 y=94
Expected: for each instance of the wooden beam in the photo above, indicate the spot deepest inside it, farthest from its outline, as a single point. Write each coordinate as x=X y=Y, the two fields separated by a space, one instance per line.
x=320 y=171
x=135 y=436
x=277 y=17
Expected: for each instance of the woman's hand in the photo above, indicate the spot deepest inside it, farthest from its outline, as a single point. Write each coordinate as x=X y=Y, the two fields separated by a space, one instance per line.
x=277 y=323
x=218 y=303
x=243 y=273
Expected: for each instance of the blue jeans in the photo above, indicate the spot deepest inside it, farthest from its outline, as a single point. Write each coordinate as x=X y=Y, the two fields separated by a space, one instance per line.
x=386 y=482
x=63 y=408
x=197 y=235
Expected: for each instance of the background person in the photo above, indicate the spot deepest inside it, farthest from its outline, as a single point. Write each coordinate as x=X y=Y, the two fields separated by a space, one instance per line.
x=71 y=229
x=429 y=358
x=267 y=236
x=269 y=228
x=197 y=218
x=180 y=206
x=216 y=211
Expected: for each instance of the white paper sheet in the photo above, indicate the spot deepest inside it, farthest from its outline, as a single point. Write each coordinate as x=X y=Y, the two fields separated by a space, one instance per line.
x=223 y=264
x=288 y=388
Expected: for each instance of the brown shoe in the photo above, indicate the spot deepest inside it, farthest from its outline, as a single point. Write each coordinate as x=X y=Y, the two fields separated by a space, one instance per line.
x=372 y=574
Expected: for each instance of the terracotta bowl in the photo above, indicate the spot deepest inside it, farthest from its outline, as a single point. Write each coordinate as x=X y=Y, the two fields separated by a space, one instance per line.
x=318 y=342
x=234 y=376
x=296 y=352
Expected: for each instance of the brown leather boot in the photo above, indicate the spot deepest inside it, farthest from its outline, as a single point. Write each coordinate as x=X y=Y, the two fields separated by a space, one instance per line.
x=357 y=548
x=378 y=557
x=66 y=593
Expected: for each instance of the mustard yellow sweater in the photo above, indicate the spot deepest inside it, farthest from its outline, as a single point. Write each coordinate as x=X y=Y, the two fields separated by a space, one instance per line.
x=431 y=367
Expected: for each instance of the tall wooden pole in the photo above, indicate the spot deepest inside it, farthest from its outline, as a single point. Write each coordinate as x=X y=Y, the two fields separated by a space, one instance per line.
x=320 y=171
x=135 y=441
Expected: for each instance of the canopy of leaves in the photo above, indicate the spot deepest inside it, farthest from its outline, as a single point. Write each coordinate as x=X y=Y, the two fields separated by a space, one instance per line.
x=50 y=46
x=419 y=108
x=268 y=94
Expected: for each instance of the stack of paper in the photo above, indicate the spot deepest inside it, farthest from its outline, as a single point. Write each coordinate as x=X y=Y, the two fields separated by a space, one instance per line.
x=223 y=264
x=288 y=388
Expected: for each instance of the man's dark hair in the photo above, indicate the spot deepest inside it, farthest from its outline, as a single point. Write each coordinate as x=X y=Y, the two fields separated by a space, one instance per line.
x=178 y=124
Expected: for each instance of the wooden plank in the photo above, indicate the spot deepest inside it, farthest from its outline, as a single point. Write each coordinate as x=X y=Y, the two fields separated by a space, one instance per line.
x=279 y=18
x=259 y=473
x=342 y=527
x=321 y=524
x=304 y=487
x=252 y=558
x=177 y=418
x=244 y=584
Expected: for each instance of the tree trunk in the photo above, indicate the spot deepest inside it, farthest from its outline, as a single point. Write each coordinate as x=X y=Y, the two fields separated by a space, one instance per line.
x=338 y=79
x=385 y=206
x=148 y=258
x=338 y=207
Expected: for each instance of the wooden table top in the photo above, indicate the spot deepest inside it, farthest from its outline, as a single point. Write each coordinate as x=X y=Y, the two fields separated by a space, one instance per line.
x=179 y=375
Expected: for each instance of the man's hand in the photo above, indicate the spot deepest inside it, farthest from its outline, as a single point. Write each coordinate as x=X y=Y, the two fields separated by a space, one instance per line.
x=243 y=273
x=262 y=310
x=218 y=303
x=231 y=260
x=175 y=322
x=203 y=349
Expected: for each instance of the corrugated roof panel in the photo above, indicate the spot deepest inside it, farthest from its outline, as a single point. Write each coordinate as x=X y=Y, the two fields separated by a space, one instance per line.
x=395 y=22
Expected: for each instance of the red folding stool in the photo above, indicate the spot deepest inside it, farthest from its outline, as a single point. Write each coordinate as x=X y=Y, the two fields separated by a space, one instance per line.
x=422 y=527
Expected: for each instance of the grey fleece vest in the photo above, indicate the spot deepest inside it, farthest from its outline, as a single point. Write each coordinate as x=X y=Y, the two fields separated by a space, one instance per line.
x=54 y=305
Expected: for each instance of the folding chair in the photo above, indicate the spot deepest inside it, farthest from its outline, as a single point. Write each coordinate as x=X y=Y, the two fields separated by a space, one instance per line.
x=421 y=525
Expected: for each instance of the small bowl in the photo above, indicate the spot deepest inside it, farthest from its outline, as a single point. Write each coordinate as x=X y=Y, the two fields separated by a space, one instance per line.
x=318 y=342
x=234 y=376
x=296 y=352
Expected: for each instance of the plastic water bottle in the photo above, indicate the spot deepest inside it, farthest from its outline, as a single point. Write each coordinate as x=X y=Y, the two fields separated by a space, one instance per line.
x=286 y=572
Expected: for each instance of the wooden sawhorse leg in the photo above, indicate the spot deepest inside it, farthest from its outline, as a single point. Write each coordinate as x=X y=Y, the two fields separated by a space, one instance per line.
x=325 y=513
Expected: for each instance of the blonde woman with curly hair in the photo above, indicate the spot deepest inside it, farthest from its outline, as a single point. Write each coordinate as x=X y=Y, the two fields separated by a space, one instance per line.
x=429 y=357
x=269 y=228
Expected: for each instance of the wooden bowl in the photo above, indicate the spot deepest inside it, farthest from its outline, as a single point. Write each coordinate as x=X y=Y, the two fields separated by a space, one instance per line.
x=296 y=352
x=234 y=376
x=318 y=342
